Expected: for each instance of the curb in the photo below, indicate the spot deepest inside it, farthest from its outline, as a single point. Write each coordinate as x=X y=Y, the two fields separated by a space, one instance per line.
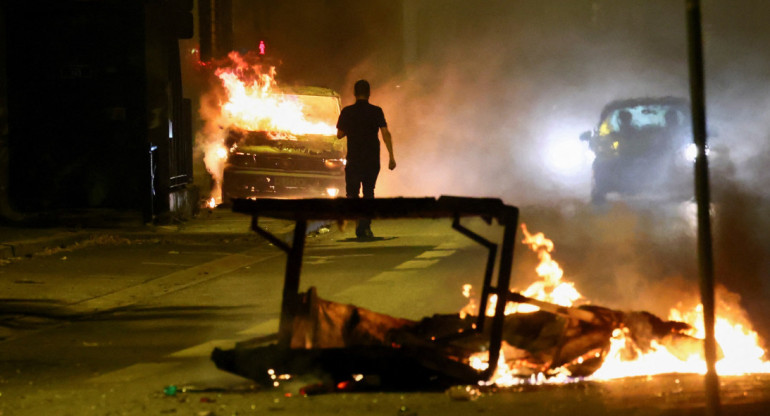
x=24 y=248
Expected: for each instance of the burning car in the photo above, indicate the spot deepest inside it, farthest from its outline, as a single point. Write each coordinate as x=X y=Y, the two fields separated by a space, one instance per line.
x=301 y=157
x=642 y=146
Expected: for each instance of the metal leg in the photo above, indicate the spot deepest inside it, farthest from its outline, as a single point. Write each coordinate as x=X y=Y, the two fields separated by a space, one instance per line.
x=502 y=290
x=290 y=300
x=491 y=258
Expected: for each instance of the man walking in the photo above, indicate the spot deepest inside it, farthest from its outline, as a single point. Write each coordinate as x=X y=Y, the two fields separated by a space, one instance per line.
x=360 y=123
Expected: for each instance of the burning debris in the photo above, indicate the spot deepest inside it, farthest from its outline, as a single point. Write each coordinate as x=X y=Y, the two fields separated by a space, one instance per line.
x=540 y=337
x=340 y=340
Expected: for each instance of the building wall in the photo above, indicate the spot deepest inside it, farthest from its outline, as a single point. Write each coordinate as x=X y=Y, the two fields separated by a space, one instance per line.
x=75 y=105
x=92 y=88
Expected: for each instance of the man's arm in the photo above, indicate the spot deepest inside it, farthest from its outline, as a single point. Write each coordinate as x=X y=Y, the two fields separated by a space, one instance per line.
x=389 y=145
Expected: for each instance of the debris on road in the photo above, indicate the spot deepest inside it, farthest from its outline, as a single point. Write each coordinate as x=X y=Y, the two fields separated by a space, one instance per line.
x=359 y=350
x=463 y=393
x=353 y=348
x=170 y=390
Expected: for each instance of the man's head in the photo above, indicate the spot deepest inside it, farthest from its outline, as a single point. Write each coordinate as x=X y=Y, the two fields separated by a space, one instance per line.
x=361 y=89
x=625 y=118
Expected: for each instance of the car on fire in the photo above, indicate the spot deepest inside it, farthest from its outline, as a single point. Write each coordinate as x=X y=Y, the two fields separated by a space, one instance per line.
x=642 y=147
x=265 y=163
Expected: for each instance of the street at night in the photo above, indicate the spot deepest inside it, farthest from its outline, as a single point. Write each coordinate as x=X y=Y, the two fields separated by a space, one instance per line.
x=387 y=207
x=105 y=326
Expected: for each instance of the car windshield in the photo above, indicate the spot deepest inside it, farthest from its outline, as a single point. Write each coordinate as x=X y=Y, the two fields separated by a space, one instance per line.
x=648 y=116
x=318 y=108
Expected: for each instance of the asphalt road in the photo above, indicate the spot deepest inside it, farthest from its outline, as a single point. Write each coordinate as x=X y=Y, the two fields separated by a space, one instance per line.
x=104 y=328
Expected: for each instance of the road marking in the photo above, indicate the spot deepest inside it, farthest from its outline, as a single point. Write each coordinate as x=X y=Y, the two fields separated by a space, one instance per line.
x=134 y=372
x=390 y=276
x=369 y=296
x=265 y=328
x=204 y=349
x=430 y=254
x=454 y=244
x=416 y=264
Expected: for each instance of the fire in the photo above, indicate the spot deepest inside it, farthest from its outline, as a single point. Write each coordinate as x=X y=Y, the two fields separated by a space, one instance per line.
x=739 y=344
x=245 y=95
x=550 y=288
x=255 y=103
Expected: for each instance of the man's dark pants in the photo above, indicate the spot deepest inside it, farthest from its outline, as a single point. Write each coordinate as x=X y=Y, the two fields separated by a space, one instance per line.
x=355 y=179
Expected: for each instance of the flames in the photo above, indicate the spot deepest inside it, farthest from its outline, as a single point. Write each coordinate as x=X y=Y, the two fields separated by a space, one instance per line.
x=255 y=103
x=739 y=343
x=245 y=95
x=550 y=288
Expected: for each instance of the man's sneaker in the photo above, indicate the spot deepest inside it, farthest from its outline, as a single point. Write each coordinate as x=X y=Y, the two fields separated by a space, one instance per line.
x=368 y=233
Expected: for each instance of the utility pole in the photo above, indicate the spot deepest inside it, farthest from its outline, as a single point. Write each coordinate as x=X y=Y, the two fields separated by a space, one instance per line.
x=705 y=254
x=216 y=28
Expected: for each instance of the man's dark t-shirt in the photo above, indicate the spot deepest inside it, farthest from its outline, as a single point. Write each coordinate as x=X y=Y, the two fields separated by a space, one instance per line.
x=361 y=123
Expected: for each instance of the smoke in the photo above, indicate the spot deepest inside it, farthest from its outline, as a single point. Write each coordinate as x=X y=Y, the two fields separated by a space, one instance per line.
x=211 y=137
x=497 y=101
x=491 y=99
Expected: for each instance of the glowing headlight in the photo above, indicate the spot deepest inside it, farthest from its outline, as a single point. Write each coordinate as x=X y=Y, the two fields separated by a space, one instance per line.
x=334 y=163
x=691 y=152
x=566 y=157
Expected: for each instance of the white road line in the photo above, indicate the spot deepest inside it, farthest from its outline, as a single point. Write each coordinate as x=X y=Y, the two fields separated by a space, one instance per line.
x=204 y=349
x=454 y=244
x=265 y=328
x=416 y=264
x=134 y=372
x=390 y=276
x=436 y=253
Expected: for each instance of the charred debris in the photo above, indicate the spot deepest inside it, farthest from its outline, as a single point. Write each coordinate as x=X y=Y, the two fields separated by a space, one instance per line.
x=358 y=349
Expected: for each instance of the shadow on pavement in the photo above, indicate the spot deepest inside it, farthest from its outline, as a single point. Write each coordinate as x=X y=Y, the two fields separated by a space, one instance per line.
x=365 y=240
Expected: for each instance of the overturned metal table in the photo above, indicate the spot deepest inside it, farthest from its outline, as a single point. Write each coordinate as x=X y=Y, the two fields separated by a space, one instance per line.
x=301 y=211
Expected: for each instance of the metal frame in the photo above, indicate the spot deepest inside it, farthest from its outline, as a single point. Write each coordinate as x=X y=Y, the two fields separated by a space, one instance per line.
x=302 y=210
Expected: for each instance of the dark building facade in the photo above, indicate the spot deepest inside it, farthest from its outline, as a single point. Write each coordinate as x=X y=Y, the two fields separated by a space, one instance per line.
x=92 y=108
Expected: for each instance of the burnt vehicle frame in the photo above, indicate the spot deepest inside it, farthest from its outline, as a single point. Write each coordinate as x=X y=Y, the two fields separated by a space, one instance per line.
x=415 y=363
x=264 y=163
x=642 y=146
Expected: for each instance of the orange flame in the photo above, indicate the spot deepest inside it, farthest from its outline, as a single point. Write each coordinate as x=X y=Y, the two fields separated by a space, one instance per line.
x=246 y=96
x=255 y=103
x=738 y=341
x=550 y=288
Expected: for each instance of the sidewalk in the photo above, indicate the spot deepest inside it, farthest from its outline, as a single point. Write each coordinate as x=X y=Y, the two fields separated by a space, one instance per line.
x=216 y=223
x=26 y=308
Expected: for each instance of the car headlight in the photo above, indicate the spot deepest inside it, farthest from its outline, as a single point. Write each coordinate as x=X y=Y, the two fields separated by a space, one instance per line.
x=334 y=163
x=690 y=152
